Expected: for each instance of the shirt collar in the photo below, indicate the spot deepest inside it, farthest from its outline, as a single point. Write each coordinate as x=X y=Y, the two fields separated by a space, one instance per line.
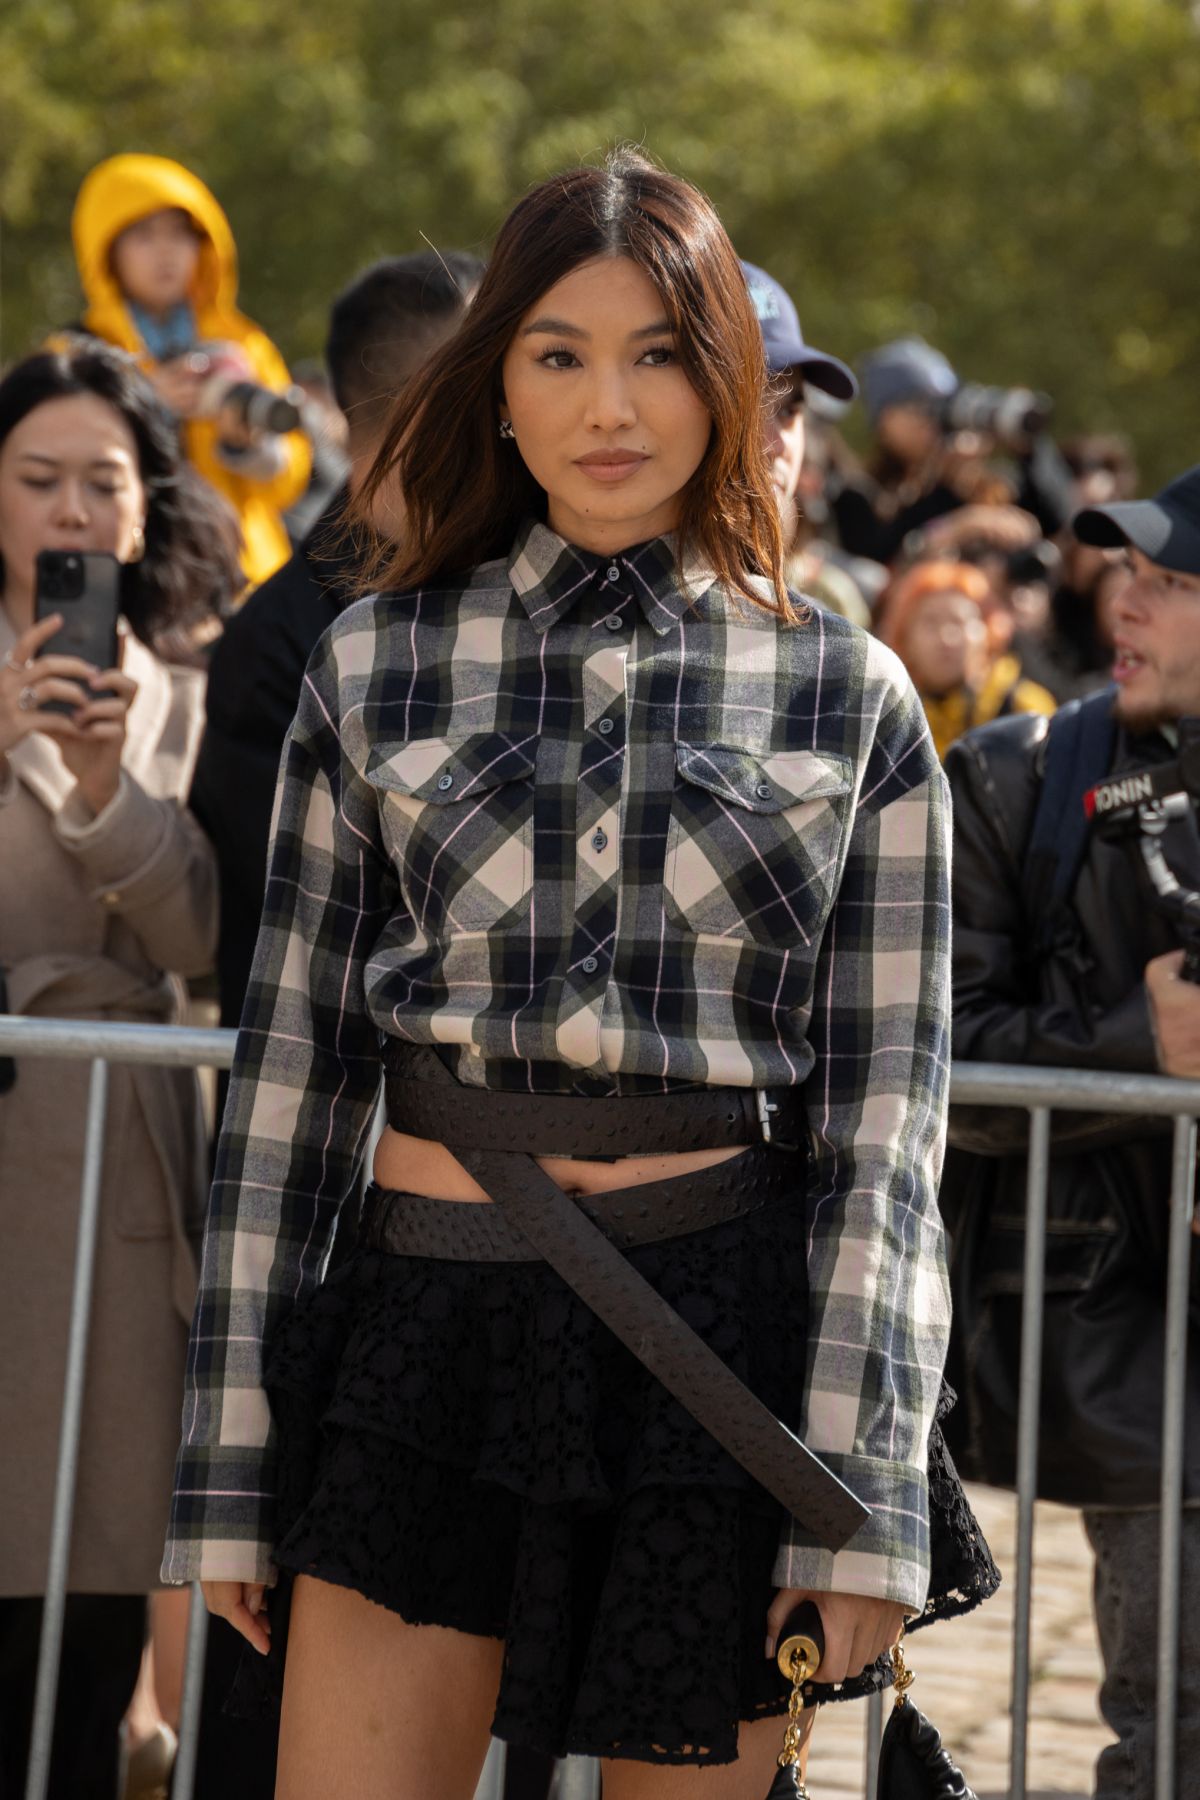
x=550 y=575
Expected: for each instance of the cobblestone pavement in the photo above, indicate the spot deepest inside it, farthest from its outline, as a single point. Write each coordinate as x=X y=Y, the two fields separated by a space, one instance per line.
x=963 y=1671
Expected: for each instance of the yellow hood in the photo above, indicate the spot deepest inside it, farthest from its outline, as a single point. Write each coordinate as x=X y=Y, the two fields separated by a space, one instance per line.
x=118 y=193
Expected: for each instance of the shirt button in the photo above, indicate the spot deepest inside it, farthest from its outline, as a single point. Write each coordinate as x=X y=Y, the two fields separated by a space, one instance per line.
x=614 y=573
x=589 y=965
x=614 y=621
x=764 y=790
x=599 y=840
x=445 y=781
x=604 y=727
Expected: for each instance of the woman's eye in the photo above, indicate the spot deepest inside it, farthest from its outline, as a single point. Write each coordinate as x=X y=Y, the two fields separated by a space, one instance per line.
x=659 y=356
x=558 y=358
x=43 y=487
x=108 y=492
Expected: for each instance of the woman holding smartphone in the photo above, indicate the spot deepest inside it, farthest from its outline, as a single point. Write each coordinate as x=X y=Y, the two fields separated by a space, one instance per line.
x=107 y=898
x=627 y=870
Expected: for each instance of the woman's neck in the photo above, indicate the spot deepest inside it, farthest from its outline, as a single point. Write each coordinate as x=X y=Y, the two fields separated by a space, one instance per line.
x=605 y=537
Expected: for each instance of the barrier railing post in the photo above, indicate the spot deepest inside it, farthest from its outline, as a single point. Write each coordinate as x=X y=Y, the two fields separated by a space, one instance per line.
x=1036 y=1199
x=184 y=1774
x=1183 y=1202
x=54 y=1605
x=576 y=1778
x=491 y=1781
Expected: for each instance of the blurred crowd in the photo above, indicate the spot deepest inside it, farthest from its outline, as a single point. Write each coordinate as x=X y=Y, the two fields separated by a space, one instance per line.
x=162 y=429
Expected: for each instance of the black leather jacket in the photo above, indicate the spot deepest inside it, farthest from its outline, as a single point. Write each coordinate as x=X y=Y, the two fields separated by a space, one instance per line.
x=1082 y=1006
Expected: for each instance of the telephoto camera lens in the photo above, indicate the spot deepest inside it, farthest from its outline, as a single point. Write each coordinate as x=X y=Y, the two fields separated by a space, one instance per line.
x=1011 y=415
x=261 y=409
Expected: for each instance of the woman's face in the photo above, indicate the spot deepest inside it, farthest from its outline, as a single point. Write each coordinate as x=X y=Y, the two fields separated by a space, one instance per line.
x=155 y=259
x=945 y=643
x=69 y=480
x=909 y=433
x=603 y=414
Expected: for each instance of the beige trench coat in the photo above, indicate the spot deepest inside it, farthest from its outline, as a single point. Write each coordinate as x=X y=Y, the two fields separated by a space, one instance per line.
x=99 y=919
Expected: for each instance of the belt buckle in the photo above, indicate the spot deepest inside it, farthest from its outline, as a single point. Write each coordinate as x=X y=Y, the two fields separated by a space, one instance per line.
x=765 y=1109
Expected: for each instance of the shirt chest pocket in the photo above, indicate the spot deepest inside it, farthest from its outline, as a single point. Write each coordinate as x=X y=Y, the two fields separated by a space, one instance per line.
x=457 y=819
x=754 y=844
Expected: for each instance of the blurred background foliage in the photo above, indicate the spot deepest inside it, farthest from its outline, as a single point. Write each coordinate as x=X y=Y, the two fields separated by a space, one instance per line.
x=1019 y=180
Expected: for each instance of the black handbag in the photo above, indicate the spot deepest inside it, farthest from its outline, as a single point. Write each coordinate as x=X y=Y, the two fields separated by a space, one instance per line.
x=913 y=1762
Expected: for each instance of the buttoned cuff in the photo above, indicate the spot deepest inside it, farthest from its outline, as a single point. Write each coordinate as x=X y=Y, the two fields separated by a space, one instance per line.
x=888 y=1556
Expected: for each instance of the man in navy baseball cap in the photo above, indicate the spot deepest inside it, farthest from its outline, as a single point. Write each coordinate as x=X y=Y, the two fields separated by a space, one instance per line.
x=796 y=367
x=784 y=340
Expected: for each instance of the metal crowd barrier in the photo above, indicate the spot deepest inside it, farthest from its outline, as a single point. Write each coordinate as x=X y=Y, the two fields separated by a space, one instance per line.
x=1038 y=1091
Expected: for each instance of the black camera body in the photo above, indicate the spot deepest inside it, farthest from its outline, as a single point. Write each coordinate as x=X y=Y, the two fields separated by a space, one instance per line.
x=1141 y=804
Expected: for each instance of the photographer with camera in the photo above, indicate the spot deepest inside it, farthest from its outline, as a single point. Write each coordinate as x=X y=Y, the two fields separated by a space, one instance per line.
x=934 y=439
x=158 y=266
x=1068 y=953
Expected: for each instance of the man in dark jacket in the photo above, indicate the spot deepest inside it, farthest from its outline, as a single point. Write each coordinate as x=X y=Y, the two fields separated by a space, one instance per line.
x=381 y=330
x=1103 y=990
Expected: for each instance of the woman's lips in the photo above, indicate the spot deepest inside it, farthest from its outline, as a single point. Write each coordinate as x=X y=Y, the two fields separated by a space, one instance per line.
x=611 y=465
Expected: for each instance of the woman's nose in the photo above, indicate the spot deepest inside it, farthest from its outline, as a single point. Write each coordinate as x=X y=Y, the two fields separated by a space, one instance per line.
x=71 y=505
x=610 y=403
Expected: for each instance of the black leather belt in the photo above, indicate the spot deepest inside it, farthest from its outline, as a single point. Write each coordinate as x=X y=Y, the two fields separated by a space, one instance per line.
x=588 y=1260
x=415 y=1081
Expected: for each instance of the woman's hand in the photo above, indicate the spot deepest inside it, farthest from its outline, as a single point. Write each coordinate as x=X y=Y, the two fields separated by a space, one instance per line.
x=28 y=681
x=858 y=1630
x=178 y=383
x=93 y=754
x=243 y=1603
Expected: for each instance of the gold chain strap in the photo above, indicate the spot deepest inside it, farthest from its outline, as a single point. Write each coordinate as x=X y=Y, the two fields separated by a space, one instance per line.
x=903 y=1674
x=793 y=1741
x=793 y=1737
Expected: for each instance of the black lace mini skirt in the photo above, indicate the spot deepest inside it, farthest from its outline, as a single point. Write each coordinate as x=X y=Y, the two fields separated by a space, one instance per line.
x=467 y=1445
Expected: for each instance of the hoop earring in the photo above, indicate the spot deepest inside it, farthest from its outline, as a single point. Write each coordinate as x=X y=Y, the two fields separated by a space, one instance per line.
x=506 y=429
x=139 y=545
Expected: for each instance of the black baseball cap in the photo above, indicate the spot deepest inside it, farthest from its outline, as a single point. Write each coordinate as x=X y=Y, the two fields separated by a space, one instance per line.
x=784 y=341
x=1166 y=529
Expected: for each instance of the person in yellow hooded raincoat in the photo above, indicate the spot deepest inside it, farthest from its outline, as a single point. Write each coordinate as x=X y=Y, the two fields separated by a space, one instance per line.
x=158 y=266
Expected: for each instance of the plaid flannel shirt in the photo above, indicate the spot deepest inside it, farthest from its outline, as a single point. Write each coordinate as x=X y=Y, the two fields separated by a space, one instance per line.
x=589 y=827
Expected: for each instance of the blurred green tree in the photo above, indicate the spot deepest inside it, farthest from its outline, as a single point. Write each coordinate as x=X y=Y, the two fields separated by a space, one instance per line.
x=1018 y=182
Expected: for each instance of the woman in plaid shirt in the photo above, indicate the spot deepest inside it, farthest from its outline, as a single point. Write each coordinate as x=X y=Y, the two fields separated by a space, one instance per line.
x=583 y=819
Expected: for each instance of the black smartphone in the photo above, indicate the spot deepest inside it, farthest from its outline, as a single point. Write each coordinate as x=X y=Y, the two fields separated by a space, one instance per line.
x=85 y=587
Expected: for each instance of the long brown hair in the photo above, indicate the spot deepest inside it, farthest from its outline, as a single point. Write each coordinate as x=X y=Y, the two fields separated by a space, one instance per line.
x=466 y=490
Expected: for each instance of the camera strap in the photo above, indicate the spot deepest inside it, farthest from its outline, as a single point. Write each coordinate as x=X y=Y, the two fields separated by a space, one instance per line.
x=1078 y=751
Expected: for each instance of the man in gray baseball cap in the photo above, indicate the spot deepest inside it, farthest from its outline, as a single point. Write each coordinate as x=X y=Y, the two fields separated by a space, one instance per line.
x=1166 y=530
x=1062 y=958
x=1156 y=615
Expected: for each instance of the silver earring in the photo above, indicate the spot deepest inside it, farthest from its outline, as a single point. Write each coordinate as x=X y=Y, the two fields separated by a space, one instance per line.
x=506 y=429
x=139 y=545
